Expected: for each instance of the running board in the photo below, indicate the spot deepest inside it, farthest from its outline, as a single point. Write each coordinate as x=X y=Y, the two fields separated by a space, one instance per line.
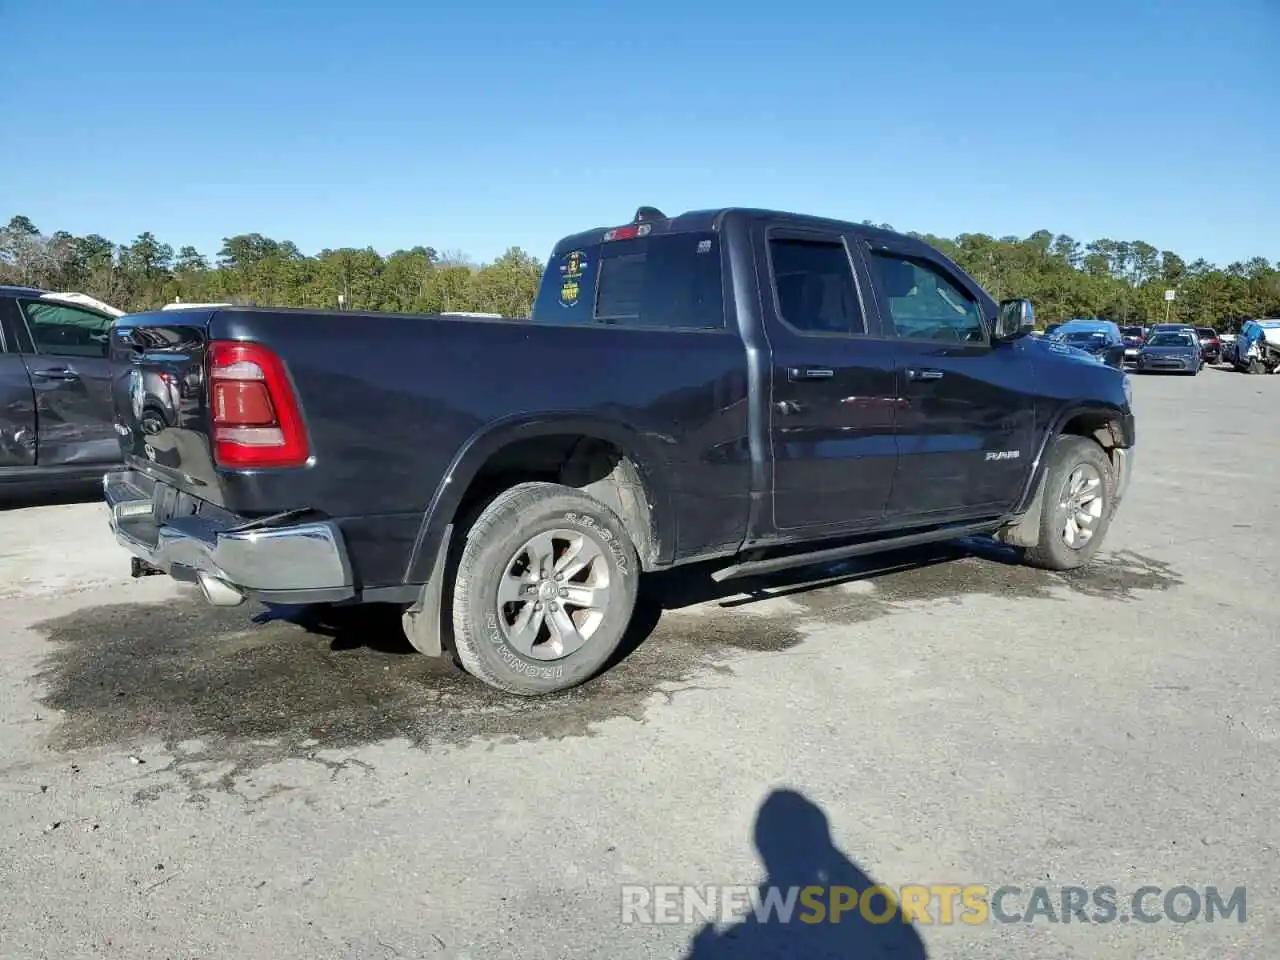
x=750 y=568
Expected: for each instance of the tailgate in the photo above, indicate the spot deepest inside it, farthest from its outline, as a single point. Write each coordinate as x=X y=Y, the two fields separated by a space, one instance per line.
x=161 y=409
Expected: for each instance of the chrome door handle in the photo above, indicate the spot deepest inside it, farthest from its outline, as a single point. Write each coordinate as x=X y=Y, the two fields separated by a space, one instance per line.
x=810 y=373
x=56 y=374
x=930 y=374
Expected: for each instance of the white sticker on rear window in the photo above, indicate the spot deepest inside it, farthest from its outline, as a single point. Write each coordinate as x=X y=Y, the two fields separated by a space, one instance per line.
x=704 y=246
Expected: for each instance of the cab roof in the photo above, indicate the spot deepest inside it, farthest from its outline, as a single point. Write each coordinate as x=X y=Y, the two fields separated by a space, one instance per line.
x=712 y=220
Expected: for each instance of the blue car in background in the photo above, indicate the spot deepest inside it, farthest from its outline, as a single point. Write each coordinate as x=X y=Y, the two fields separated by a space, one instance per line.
x=1171 y=350
x=1099 y=338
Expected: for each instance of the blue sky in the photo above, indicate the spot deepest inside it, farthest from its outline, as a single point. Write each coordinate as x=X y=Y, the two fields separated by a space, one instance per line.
x=481 y=125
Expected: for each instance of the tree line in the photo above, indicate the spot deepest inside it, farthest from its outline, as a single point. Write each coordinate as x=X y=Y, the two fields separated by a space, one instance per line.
x=1117 y=280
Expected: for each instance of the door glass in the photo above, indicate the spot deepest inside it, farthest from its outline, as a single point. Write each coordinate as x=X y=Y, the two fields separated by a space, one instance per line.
x=65 y=331
x=814 y=283
x=923 y=303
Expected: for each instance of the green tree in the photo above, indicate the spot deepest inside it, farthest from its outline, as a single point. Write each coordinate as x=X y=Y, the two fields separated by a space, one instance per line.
x=1065 y=277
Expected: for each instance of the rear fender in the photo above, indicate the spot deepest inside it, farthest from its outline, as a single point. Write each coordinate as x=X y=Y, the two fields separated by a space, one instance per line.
x=493 y=437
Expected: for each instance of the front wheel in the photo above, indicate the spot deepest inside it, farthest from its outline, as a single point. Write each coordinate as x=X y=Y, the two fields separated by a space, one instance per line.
x=545 y=590
x=1078 y=491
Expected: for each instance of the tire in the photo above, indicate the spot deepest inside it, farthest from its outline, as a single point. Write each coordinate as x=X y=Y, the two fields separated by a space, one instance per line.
x=499 y=551
x=1067 y=455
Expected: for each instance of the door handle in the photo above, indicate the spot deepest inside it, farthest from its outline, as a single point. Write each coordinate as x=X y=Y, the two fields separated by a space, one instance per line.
x=810 y=373
x=58 y=373
x=927 y=374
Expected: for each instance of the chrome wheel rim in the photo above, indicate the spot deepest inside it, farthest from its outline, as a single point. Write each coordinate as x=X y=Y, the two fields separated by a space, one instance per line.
x=1081 y=505
x=553 y=594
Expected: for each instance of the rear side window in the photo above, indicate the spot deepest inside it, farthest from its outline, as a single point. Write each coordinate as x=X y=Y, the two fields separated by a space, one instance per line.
x=814 y=283
x=670 y=280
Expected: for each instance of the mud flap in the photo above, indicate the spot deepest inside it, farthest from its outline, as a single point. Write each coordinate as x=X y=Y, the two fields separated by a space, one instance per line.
x=1025 y=531
x=423 y=622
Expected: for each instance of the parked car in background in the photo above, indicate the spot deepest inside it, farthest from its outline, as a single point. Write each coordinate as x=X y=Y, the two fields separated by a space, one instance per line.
x=57 y=424
x=1257 y=348
x=1171 y=351
x=1166 y=327
x=1228 y=341
x=1133 y=339
x=1100 y=338
x=756 y=389
x=1210 y=345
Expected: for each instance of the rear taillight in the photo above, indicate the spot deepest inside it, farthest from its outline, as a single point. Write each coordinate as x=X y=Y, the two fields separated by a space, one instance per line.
x=256 y=421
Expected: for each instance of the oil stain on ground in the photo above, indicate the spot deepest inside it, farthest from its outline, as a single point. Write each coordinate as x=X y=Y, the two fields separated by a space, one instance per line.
x=249 y=686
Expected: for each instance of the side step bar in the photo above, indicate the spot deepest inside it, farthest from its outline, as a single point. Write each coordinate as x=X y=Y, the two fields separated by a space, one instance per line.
x=749 y=568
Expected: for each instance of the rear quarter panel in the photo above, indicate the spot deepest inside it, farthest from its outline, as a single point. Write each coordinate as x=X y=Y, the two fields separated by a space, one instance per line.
x=392 y=405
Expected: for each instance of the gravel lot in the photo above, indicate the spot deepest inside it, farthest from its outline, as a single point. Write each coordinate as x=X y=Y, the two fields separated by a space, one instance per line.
x=179 y=781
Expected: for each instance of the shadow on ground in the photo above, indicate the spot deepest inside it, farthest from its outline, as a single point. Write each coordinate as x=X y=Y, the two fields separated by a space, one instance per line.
x=18 y=498
x=793 y=839
x=254 y=686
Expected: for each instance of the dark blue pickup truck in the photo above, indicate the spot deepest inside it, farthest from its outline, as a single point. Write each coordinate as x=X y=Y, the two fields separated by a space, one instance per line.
x=760 y=389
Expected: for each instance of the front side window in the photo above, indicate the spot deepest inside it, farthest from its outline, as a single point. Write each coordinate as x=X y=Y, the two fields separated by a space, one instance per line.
x=923 y=303
x=65 y=331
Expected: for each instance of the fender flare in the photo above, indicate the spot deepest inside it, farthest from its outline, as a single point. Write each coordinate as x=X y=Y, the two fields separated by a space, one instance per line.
x=493 y=436
x=1060 y=419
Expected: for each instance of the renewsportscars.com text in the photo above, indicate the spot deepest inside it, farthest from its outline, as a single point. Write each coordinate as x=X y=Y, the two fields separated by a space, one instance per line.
x=929 y=904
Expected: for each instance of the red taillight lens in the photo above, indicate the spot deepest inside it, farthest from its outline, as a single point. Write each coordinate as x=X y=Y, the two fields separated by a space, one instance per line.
x=256 y=421
x=245 y=404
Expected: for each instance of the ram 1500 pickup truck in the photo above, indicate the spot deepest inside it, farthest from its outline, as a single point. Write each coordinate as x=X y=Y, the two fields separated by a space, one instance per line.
x=758 y=389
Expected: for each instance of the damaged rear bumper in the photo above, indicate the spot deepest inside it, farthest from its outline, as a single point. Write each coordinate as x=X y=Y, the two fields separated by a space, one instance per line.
x=231 y=558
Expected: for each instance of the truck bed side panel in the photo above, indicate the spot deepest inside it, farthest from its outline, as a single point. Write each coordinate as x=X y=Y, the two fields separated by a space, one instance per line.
x=389 y=400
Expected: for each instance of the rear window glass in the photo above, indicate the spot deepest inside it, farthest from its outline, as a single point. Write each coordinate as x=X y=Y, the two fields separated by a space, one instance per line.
x=668 y=280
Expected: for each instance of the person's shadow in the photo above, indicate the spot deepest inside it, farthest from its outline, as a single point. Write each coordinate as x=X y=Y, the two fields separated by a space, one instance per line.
x=794 y=841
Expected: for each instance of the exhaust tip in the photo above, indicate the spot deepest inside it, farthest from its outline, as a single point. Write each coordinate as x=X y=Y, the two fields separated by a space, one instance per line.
x=218 y=592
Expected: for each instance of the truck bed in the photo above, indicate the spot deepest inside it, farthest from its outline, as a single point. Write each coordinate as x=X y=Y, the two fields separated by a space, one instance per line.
x=394 y=404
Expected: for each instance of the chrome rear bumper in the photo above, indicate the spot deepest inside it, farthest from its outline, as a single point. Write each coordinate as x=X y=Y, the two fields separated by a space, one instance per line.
x=229 y=558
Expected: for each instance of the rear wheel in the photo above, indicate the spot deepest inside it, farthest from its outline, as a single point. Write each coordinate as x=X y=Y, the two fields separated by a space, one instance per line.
x=545 y=589
x=1078 y=492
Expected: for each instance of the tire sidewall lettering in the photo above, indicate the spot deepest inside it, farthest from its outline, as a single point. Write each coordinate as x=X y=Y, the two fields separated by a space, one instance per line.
x=603 y=533
x=514 y=661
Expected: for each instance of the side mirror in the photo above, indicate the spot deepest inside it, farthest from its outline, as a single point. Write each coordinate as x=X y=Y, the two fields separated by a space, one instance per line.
x=1115 y=356
x=1016 y=319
